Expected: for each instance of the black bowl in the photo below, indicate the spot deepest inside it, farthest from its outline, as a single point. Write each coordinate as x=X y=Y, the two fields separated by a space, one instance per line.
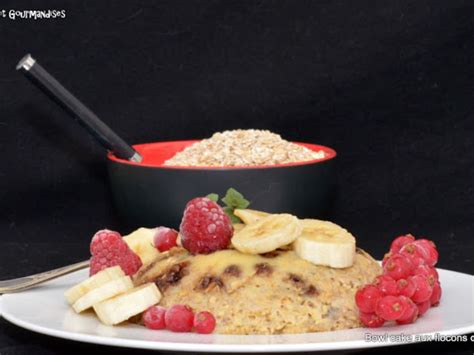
x=150 y=194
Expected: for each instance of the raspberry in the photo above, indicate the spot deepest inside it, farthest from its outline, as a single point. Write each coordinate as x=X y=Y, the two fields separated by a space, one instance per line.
x=423 y=289
x=367 y=297
x=371 y=320
x=428 y=271
x=109 y=249
x=398 y=267
x=430 y=250
x=387 y=285
x=205 y=227
x=400 y=241
x=179 y=318
x=406 y=287
x=411 y=311
x=154 y=317
x=390 y=307
x=417 y=253
x=165 y=238
x=436 y=294
x=204 y=322
x=423 y=307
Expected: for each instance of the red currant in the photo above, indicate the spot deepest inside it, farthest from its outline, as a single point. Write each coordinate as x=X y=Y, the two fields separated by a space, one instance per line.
x=423 y=307
x=154 y=317
x=400 y=241
x=371 y=320
x=436 y=294
x=415 y=252
x=367 y=297
x=387 y=285
x=411 y=311
x=165 y=238
x=390 y=307
x=431 y=254
x=406 y=287
x=428 y=271
x=386 y=257
x=179 y=318
x=398 y=267
x=423 y=289
x=204 y=322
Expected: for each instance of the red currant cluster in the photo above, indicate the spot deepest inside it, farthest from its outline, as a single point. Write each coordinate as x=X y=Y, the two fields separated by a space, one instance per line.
x=408 y=287
x=179 y=318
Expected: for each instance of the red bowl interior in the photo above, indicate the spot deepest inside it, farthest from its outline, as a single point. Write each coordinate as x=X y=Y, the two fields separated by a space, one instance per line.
x=155 y=154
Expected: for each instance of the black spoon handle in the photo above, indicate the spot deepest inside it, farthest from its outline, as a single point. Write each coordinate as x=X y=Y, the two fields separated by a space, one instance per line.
x=58 y=93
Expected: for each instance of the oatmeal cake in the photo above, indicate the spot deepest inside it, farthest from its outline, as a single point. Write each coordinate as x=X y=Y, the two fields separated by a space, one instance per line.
x=272 y=293
x=241 y=147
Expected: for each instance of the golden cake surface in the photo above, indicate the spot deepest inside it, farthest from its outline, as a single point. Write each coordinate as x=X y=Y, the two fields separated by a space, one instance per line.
x=272 y=293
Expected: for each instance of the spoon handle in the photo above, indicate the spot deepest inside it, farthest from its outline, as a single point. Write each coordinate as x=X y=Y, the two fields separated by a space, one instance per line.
x=58 y=93
x=24 y=283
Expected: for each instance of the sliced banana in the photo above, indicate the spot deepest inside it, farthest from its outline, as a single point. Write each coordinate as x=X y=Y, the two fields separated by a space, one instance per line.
x=249 y=216
x=120 y=308
x=238 y=227
x=101 y=293
x=141 y=242
x=325 y=243
x=267 y=234
x=97 y=280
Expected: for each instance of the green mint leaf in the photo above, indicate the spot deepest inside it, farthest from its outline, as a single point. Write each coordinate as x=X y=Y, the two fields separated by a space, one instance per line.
x=230 y=212
x=235 y=199
x=213 y=197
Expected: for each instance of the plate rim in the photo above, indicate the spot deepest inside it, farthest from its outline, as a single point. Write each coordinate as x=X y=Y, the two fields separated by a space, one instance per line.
x=211 y=347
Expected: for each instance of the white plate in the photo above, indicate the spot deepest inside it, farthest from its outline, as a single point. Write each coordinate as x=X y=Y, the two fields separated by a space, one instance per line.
x=45 y=311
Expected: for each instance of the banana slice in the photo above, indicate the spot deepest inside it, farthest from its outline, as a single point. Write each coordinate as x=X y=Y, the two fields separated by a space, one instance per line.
x=249 y=216
x=267 y=234
x=102 y=277
x=325 y=243
x=120 y=308
x=141 y=242
x=238 y=227
x=101 y=293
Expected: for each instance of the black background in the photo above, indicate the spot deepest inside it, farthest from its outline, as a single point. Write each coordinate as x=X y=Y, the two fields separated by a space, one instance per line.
x=388 y=84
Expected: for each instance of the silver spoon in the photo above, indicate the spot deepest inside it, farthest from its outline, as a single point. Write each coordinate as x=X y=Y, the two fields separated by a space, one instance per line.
x=24 y=283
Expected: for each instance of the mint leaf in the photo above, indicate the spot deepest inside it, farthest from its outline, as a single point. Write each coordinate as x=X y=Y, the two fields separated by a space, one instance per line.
x=235 y=199
x=213 y=197
x=230 y=212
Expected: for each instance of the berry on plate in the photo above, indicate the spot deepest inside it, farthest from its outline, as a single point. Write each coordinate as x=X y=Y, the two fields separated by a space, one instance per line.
x=411 y=311
x=154 y=317
x=436 y=294
x=371 y=320
x=423 y=307
x=165 y=238
x=179 y=318
x=423 y=289
x=387 y=285
x=367 y=297
x=390 y=307
x=109 y=249
x=398 y=267
x=205 y=227
x=204 y=322
x=406 y=287
x=400 y=241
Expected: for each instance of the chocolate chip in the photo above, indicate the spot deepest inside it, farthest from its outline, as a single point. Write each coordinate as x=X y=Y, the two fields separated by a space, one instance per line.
x=172 y=276
x=311 y=291
x=263 y=269
x=271 y=254
x=232 y=270
x=208 y=281
x=298 y=281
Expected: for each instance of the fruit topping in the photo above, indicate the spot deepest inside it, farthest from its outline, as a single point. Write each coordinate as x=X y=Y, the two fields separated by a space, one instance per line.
x=164 y=238
x=371 y=320
x=205 y=227
x=390 y=307
x=204 y=322
x=109 y=249
x=154 y=317
x=367 y=297
x=179 y=318
x=409 y=283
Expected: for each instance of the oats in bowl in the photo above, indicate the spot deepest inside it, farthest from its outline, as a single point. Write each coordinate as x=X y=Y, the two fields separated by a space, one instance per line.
x=250 y=147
